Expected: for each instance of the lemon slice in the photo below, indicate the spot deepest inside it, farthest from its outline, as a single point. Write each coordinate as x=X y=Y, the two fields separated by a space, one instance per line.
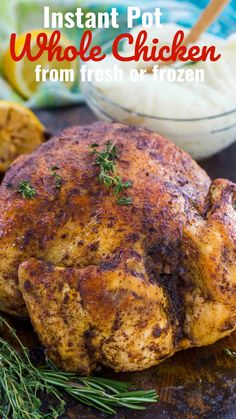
x=21 y=74
x=20 y=132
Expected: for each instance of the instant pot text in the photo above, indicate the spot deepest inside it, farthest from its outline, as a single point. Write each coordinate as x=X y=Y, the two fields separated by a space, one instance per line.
x=101 y=20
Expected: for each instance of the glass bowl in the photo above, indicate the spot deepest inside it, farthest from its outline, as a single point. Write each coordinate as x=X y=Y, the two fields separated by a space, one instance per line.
x=201 y=137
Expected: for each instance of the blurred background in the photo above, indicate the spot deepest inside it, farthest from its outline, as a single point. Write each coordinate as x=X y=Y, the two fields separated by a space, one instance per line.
x=26 y=15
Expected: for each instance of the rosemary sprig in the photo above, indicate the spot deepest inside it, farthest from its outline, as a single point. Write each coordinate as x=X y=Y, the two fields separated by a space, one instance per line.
x=108 y=173
x=230 y=353
x=21 y=384
x=58 y=178
x=26 y=190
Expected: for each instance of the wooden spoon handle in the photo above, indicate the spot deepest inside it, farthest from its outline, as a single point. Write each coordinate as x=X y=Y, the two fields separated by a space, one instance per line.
x=210 y=13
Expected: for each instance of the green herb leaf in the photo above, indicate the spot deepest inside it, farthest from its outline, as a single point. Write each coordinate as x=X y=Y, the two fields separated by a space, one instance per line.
x=58 y=178
x=230 y=353
x=21 y=383
x=26 y=190
x=108 y=174
x=125 y=201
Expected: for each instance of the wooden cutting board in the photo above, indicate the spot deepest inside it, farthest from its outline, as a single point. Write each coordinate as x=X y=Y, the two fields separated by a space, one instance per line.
x=197 y=383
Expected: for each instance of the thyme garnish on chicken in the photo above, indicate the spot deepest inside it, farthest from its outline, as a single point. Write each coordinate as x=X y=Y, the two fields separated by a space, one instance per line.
x=125 y=200
x=21 y=382
x=108 y=173
x=58 y=178
x=26 y=190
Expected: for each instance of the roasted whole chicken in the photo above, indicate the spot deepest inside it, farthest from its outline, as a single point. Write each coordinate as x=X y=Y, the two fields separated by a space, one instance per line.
x=125 y=286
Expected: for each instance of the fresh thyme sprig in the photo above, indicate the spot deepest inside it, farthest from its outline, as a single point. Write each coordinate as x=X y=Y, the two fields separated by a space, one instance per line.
x=108 y=174
x=58 y=178
x=26 y=190
x=21 y=383
x=230 y=353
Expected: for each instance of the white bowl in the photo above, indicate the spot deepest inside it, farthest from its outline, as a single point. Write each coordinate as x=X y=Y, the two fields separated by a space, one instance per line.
x=201 y=137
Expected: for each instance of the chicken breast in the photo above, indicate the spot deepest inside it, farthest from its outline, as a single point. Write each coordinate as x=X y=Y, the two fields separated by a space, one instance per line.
x=120 y=285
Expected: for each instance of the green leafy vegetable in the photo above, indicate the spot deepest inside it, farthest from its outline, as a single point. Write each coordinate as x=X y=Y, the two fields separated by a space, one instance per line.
x=108 y=174
x=21 y=383
x=26 y=190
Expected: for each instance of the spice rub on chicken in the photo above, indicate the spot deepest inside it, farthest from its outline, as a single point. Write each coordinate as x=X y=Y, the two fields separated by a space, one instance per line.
x=120 y=283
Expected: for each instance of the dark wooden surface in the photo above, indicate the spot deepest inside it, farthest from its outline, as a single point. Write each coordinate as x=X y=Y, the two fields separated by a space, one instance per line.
x=197 y=383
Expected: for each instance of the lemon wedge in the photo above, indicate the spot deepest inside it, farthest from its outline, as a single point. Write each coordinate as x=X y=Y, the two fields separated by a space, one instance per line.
x=20 y=132
x=21 y=74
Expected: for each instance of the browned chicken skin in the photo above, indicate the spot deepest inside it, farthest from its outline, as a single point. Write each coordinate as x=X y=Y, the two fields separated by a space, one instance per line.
x=124 y=286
